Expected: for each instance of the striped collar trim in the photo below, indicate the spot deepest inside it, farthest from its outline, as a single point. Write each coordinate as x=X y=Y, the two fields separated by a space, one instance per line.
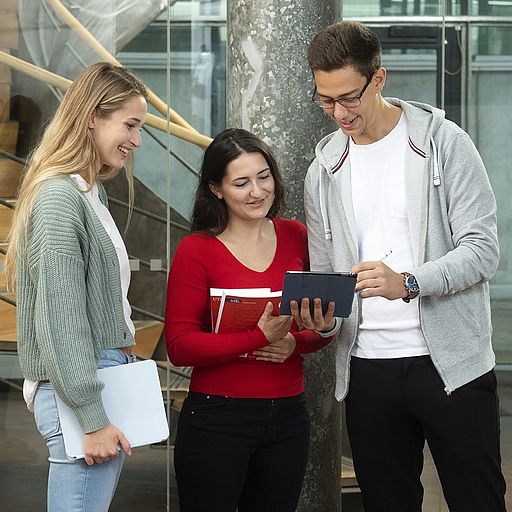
x=341 y=161
x=416 y=149
x=344 y=155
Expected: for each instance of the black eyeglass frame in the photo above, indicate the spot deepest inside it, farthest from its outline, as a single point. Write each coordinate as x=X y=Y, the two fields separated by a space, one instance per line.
x=354 y=102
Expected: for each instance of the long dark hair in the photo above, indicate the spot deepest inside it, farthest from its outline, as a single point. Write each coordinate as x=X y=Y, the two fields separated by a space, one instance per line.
x=210 y=214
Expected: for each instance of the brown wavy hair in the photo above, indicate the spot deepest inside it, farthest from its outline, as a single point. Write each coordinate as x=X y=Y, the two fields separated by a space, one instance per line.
x=209 y=213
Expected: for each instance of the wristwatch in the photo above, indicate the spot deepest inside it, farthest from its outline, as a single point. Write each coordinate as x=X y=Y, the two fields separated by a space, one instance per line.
x=411 y=285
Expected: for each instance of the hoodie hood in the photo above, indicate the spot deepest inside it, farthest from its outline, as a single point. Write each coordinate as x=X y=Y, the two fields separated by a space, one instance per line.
x=451 y=214
x=423 y=122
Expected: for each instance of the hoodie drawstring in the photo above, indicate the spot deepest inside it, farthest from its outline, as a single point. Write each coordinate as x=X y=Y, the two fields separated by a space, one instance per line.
x=436 y=175
x=323 y=212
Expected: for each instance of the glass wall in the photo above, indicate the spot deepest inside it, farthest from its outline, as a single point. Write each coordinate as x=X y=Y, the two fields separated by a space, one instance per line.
x=426 y=8
x=178 y=48
x=466 y=76
x=456 y=54
x=197 y=69
x=489 y=125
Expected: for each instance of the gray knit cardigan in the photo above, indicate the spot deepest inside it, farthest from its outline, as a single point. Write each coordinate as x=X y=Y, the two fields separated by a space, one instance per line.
x=69 y=299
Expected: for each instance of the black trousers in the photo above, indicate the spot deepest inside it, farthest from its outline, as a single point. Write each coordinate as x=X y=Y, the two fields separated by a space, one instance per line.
x=393 y=406
x=237 y=452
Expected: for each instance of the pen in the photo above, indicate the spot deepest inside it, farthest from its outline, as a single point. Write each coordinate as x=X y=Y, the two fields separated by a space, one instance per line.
x=386 y=255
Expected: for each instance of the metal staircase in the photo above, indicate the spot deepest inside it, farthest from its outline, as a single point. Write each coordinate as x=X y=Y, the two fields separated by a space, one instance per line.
x=55 y=47
x=10 y=172
x=148 y=335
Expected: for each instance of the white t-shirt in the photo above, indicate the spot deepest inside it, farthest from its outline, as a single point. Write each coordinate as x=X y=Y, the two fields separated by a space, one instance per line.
x=29 y=386
x=110 y=227
x=388 y=329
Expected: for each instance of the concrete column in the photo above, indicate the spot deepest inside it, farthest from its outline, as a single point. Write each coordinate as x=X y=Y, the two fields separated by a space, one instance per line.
x=269 y=89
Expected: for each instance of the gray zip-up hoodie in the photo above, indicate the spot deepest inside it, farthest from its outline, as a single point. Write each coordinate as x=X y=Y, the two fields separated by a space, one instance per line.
x=452 y=222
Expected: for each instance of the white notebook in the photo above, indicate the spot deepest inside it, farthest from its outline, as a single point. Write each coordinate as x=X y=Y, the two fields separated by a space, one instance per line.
x=133 y=401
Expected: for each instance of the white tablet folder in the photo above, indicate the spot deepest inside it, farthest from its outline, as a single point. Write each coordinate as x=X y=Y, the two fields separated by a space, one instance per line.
x=133 y=401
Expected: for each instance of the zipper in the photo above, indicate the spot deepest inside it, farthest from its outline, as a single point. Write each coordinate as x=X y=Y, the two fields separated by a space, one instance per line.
x=351 y=346
x=447 y=389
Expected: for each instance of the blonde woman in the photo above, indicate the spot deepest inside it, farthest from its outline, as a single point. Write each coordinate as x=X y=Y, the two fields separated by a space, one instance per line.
x=71 y=271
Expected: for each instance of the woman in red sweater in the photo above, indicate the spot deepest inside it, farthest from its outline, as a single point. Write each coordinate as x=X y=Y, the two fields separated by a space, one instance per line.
x=243 y=432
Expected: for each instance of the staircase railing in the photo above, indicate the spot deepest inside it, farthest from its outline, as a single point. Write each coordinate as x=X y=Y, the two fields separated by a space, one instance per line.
x=63 y=83
x=113 y=200
x=10 y=301
x=7 y=204
x=66 y=17
x=10 y=156
x=145 y=213
x=171 y=152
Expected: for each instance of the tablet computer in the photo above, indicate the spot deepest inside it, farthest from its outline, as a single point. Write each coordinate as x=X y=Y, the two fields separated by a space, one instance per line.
x=132 y=398
x=328 y=286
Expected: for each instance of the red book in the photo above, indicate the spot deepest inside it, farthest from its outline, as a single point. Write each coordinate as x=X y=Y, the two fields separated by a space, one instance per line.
x=241 y=311
x=216 y=295
x=238 y=313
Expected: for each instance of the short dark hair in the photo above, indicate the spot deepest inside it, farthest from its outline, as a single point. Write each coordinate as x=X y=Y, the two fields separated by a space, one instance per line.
x=348 y=43
x=209 y=213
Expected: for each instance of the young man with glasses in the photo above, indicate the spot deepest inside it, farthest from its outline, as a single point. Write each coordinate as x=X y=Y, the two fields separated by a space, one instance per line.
x=400 y=195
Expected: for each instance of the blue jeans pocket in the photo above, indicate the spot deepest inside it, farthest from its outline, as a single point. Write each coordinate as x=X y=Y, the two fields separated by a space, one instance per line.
x=45 y=411
x=113 y=357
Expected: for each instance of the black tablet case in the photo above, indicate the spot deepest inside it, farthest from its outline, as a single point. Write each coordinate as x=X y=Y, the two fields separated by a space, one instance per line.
x=336 y=286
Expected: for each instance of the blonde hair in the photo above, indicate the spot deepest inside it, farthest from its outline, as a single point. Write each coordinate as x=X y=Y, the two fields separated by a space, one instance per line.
x=67 y=145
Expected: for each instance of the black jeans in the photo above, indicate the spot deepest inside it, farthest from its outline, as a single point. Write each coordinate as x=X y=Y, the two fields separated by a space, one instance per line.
x=393 y=406
x=241 y=452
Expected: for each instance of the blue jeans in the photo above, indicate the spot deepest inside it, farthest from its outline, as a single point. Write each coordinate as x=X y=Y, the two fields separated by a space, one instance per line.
x=73 y=486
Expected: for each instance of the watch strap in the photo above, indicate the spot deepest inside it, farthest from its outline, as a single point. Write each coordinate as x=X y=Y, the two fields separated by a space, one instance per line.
x=411 y=294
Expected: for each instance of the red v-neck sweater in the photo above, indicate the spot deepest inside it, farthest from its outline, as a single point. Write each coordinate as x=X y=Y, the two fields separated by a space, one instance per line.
x=202 y=262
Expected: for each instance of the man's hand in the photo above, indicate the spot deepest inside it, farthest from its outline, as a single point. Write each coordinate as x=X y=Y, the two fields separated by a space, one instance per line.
x=102 y=445
x=318 y=321
x=375 y=279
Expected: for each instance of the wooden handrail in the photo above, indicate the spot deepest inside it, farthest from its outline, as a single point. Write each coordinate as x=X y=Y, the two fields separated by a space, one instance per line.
x=199 y=139
x=34 y=71
x=63 y=83
x=91 y=41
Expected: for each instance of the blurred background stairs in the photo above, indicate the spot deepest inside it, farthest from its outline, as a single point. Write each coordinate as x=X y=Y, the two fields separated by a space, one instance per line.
x=10 y=171
x=146 y=237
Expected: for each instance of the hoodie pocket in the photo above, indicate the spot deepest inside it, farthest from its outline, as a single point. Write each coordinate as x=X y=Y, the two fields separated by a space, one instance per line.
x=473 y=313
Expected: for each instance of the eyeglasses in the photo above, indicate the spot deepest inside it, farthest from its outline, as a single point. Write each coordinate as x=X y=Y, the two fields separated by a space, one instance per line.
x=329 y=103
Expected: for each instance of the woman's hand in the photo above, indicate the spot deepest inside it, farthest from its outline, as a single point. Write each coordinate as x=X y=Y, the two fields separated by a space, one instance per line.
x=274 y=327
x=278 y=351
x=102 y=445
x=317 y=322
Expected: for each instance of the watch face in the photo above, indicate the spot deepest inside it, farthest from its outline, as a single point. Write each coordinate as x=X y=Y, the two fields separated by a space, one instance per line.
x=412 y=284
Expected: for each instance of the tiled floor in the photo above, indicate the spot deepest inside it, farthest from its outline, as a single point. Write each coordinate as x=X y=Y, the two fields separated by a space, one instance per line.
x=23 y=467
x=142 y=487
x=433 y=498
x=434 y=502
